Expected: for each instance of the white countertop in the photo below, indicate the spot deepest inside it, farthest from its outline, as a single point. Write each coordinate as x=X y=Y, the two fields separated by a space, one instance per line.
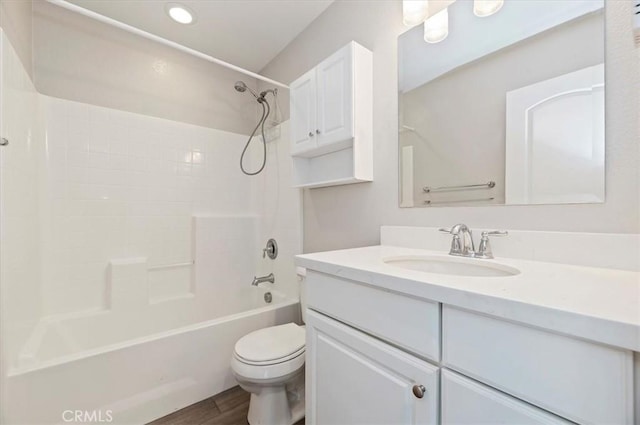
x=597 y=304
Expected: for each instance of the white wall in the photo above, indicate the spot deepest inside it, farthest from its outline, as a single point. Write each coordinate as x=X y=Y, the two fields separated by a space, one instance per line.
x=80 y=59
x=20 y=304
x=19 y=188
x=17 y=22
x=350 y=215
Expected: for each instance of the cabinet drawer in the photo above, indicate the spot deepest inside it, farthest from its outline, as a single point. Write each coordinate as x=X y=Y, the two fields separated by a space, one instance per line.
x=581 y=381
x=466 y=402
x=410 y=323
x=354 y=379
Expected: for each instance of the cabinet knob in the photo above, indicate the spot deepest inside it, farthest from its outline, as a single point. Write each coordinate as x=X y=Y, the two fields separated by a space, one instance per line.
x=419 y=391
x=311 y=134
x=317 y=131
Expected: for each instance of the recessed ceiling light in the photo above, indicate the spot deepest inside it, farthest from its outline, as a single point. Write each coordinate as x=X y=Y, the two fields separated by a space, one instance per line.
x=180 y=13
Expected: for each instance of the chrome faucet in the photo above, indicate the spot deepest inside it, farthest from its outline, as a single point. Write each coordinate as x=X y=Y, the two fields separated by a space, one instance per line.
x=268 y=278
x=462 y=243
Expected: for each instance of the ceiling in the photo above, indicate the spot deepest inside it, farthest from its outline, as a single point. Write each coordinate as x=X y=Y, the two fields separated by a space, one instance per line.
x=246 y=33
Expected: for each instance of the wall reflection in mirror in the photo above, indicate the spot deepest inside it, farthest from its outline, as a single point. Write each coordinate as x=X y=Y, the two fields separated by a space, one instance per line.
x=507 y=109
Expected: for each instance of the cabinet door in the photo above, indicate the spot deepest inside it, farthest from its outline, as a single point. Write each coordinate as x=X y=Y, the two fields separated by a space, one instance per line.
x=466 y=402
x=303 y=113
x=584 y=382
x=354 y=379
x=335 y=97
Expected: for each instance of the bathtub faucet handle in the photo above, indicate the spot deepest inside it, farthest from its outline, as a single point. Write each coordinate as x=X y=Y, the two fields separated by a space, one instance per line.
x=271 y=249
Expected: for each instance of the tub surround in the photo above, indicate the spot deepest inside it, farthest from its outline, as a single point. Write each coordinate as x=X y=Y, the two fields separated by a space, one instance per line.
x=105 y=209
x=596 y=303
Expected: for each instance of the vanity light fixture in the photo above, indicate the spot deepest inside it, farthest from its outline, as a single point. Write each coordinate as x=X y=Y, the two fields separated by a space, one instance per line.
x=436 y=28
x=180 y=13
x=484 y=8
x=414 y=12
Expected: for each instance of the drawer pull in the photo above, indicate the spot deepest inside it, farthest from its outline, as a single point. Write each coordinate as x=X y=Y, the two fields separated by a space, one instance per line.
x=419 y=391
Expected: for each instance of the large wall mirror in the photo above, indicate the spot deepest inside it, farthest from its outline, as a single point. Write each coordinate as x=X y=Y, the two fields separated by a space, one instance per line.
x=507 y=109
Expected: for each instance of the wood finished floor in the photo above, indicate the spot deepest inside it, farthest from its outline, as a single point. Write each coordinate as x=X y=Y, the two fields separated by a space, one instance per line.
x=227 y=408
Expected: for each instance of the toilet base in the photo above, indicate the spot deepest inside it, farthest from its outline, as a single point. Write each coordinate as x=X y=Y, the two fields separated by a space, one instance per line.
x=276 y=404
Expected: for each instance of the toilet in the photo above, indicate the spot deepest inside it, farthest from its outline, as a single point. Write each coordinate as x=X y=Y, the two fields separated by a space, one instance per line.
x=269 y=364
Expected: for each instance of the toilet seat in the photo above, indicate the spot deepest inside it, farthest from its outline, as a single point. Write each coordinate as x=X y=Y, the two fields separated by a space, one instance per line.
x=270 y=354
x=271 y=345
x=270 y=362
x=266 y=374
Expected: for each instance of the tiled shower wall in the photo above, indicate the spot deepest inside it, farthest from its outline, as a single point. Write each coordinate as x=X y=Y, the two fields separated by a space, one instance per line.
x=279 y=208
x=123 y=185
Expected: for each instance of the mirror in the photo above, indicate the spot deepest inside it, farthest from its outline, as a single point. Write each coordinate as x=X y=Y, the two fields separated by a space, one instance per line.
x=507 y=109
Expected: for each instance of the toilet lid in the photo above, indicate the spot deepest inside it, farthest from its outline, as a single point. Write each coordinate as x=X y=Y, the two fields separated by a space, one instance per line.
x=271 y=343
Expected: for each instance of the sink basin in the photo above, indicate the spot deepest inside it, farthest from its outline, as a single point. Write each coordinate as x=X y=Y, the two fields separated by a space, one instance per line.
x=453 y=266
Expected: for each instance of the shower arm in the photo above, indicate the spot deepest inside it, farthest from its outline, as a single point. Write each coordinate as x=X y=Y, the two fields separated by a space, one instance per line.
x=274 y=92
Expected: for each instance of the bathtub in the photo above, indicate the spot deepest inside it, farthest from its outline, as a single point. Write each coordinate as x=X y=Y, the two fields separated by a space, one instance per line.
x=93 y=367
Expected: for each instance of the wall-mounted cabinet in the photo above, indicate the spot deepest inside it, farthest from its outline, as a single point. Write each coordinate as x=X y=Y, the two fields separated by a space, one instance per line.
x=332 y=120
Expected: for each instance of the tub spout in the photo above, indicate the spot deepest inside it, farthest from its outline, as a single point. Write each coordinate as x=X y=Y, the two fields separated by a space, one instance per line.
x=268 y=278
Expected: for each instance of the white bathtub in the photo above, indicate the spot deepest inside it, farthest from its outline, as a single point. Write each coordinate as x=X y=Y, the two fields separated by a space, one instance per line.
x=127 y=369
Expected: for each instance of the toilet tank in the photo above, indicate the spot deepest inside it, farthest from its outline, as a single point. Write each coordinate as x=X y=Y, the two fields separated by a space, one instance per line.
x=302 y=277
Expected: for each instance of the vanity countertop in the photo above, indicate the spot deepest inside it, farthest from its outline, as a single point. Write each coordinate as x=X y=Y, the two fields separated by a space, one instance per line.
x=597 y=304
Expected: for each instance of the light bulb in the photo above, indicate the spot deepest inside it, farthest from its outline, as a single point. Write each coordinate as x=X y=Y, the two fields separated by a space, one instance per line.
x=414 y=12
x=483 y=8
x=179 y=13
x=436 y=28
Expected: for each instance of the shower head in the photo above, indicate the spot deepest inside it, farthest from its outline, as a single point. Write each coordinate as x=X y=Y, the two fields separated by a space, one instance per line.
x=241 y=87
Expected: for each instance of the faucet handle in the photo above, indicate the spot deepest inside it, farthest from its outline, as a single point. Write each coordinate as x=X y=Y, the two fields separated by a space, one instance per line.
x=271 y=250
x=484 y=249
x=456 y=245
x=486 y=233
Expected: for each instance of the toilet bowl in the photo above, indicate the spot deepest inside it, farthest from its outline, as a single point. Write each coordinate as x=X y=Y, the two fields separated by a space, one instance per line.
x=269 y=364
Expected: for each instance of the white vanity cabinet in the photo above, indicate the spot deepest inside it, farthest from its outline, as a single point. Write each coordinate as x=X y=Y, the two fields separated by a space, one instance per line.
x=331 y=120
x=468 y=402
x=379 y=356
x=584 y=382
x=358 y=379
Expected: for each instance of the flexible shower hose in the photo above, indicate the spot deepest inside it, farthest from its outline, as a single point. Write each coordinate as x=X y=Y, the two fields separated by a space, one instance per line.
x=265 y=114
